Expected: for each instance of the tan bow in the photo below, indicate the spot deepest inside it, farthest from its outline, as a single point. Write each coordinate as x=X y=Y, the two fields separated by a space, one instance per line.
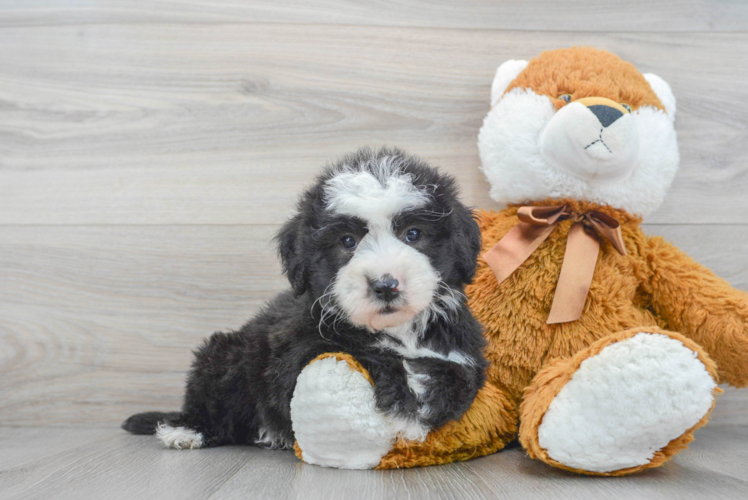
x=582 y=248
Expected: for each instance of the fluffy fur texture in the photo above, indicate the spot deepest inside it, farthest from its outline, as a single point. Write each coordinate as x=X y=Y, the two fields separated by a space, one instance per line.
x=654 y=285
x=623 y=404
x=490 y=421
x=552 y=380
x=178 y=437
x=655 y=290
x=505 y=75
x=378 y=255
x=606 y=394
x=534 y=145
x=562 y=373
x=334 y=415
x=586 y=72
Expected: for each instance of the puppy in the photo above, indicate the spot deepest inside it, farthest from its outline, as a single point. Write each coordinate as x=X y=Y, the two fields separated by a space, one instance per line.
x=377 y=255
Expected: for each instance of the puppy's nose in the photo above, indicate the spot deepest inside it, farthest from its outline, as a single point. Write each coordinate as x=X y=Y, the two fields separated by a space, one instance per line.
x=385 y=288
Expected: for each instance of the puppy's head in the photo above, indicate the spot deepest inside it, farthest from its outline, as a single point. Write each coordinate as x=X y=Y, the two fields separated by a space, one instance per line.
x=380 y=238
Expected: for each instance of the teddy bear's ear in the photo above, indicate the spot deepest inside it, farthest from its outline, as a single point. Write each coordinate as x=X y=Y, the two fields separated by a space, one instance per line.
x=507 y=72
x=662 y=89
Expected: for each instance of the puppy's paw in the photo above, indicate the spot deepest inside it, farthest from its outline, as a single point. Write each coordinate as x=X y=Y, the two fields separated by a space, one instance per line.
x=334 y=415
x=179 y=438
x=412 y=430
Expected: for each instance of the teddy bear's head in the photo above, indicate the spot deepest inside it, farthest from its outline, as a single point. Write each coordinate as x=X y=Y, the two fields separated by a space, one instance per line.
x=579 y=123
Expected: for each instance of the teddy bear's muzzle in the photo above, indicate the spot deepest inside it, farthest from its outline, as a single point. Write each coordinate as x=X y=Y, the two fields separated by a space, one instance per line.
x=594 y=139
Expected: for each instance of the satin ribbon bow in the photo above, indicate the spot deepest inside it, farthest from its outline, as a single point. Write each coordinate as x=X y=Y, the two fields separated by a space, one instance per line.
x=582 y=248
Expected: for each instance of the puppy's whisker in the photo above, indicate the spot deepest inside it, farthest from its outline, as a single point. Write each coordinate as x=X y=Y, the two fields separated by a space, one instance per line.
x=445 y=303
x=327 y=312
x=338 y=316
x=325 y=294
x=319 y=327
x=327 y=308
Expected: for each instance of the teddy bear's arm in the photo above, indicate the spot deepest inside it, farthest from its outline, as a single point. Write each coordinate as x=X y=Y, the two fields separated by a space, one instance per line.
x=695 y=302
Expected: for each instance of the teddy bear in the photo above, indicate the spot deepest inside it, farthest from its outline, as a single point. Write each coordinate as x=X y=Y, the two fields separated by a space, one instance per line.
x=605 y=345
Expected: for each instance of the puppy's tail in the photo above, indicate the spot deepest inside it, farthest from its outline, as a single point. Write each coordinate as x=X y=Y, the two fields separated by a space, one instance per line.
x=147 y=423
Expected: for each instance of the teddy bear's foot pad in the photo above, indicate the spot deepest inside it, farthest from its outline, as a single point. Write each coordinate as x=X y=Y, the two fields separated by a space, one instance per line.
x=334 y=417
x=625 y=403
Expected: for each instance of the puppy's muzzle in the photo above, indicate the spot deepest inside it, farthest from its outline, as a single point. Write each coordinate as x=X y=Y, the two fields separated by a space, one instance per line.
x=385 y=288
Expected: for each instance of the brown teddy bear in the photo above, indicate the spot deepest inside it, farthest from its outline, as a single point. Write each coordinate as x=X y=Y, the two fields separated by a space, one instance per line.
x=605 y=345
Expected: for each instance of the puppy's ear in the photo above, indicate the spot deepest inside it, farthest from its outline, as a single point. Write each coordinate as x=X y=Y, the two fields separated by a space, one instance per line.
x=290 y=240
x=466 y=242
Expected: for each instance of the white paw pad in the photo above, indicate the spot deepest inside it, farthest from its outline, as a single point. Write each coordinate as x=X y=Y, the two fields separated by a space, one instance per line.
x=626 y=403
x=335 y=420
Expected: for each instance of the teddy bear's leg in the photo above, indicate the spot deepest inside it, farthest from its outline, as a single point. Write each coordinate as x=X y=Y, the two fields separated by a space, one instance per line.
x=628 y=402
x=489 y=425
x=336 y=423
x=334 y=417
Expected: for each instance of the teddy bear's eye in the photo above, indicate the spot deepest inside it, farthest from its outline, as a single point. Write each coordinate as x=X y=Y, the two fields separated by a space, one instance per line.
x=628 y=108
x=565 y=97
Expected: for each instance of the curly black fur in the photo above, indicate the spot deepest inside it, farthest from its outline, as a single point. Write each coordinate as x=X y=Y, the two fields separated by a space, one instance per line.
x=241 y=383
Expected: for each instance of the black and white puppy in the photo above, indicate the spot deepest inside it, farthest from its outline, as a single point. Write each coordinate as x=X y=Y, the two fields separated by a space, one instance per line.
x=377 y=255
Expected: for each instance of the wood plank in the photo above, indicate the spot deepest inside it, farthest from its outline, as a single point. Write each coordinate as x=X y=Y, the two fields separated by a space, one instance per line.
x=111 y=464
x=571 y=15
x=693 y=474
x=719 y=449
x=221 y=124
x=277 y=476
x=97 y=323
x=25 y=445
x=124 y=466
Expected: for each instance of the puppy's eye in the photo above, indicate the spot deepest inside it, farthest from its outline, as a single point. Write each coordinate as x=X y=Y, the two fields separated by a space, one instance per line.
x=628 y=108
x=565 y=97
x=413 y=235
x=348 y=242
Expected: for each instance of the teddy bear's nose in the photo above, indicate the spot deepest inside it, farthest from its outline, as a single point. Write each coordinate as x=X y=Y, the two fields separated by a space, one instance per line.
x=607 y=111
x=606 y=114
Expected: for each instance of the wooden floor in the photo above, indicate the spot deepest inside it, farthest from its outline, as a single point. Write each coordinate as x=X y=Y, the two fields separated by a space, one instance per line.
x=99 y=463
x=149 y=149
